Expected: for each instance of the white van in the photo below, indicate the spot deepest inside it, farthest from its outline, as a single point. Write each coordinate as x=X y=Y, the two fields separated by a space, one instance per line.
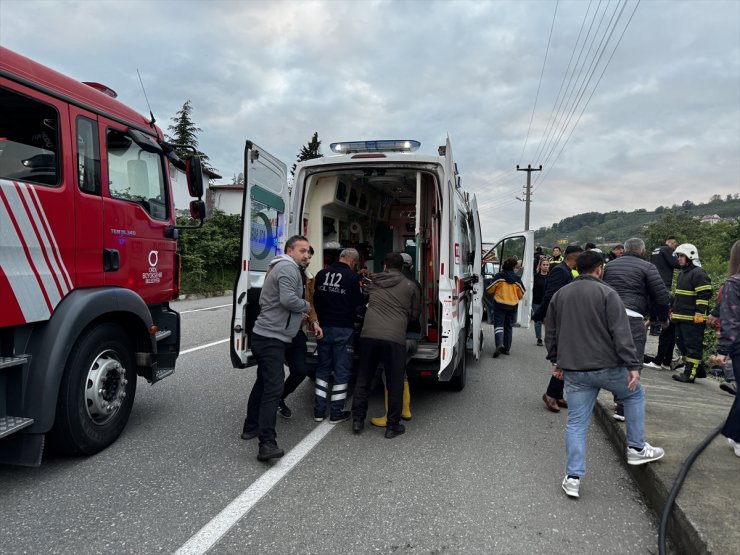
x=381 y=197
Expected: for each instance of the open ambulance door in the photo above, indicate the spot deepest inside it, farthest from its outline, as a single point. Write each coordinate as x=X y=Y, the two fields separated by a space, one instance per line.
x=448 y=288
x=477 y=279
x=521 y=245
x=265 y=203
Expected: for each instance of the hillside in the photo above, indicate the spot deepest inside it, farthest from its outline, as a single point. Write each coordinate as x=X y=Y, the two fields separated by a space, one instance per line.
x=617 y=226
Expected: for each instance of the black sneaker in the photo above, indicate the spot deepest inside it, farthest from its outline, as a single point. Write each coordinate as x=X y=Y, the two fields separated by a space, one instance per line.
x=269 y=451
x=539 y=342
x=341 y=417
x=249 y=434
x=318 y=416
x=284 y=410
x=392 y=431
x=683 y=378
x=357 y=426
x=498 y=351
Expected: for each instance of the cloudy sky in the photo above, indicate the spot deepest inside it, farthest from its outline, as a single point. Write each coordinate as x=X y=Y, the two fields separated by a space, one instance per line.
x=662 y=126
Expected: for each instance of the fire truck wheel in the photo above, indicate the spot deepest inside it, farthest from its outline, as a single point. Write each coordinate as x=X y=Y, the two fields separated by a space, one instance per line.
x=457 y=383
x=97 y=391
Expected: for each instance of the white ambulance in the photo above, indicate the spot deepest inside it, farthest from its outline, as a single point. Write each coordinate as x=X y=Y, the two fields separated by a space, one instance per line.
x=381 y=197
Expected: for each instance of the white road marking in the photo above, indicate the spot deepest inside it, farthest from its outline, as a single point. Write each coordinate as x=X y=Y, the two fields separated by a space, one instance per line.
x=212 y=532
x=186 y=351
x=201 y=309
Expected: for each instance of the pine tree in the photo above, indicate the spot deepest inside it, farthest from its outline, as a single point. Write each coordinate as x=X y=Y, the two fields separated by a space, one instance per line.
x=185 y=132
x=309 y=152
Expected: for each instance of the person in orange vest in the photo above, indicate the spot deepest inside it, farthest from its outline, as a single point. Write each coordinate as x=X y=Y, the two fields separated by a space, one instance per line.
x=507 y=290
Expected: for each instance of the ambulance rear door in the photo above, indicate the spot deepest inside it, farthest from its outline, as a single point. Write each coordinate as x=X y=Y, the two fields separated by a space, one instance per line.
x=264 y=206
x=477 y=279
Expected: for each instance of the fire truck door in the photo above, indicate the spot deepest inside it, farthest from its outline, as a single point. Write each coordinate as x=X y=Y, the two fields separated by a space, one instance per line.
x=136 y=253
x=87 y=185
x=265 y=206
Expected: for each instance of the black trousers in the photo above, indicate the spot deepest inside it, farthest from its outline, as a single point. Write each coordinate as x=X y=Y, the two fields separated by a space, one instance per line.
x=265 y=396
x=295 y=358
x=555 y=388
x=666 y=344
x=690 y=340
x=393 y=357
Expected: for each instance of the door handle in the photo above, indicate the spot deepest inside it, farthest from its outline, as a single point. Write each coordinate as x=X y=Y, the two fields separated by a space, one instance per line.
x=111 y=260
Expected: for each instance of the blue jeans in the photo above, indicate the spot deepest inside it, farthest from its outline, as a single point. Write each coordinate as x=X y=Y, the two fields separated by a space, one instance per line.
x=582 y=389
x=537 y=325
x=336 y=356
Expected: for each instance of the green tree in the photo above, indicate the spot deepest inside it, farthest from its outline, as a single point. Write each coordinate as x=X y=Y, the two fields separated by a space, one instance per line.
x=309 y=152
x=183 y=131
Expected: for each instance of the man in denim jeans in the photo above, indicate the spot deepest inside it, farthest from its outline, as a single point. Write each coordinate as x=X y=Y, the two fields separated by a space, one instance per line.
x=590 y=346
x=338 y=297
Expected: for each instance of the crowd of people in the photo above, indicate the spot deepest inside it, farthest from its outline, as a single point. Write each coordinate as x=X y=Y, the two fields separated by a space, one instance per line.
x=389 y=303
x=597 y=308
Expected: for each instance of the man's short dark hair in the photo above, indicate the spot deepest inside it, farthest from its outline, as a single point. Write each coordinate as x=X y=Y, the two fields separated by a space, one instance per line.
x=671 y=238
x=570 y=249
x=393 y=260
x=588 y=261
x=590 y=246
x=290 y=243
x=509 y=263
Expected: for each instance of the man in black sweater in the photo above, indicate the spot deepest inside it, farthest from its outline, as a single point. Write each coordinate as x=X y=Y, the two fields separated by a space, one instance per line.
x=560 y=275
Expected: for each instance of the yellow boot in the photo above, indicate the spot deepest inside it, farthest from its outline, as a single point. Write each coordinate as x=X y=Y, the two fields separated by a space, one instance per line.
x=382 y=421
x=406 y=409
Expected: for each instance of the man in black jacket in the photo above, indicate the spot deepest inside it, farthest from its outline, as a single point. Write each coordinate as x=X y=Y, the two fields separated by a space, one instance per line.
x=560 y=275
x=338 y=298
x=663 y=259
x=639 y=285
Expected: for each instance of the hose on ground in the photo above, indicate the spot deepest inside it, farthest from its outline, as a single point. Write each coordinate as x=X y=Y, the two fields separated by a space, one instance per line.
x=678 y=482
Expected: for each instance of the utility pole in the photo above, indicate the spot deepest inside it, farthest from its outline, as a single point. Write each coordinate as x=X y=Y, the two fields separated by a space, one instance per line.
x=528 y=195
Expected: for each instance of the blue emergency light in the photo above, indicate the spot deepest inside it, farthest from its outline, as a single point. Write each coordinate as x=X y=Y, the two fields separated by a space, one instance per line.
x=375 y=146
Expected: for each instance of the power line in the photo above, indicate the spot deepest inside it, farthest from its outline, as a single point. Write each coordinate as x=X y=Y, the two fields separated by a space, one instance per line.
x=603 y=71
x=537 y=95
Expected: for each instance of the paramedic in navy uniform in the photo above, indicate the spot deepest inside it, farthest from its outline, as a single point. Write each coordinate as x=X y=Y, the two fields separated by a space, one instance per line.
x=337 y=298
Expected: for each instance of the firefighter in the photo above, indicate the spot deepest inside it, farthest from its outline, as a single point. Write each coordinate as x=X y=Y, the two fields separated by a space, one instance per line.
x=693 y=291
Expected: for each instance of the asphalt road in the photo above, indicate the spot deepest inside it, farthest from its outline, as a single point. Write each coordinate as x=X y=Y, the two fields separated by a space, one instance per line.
x=477 y=472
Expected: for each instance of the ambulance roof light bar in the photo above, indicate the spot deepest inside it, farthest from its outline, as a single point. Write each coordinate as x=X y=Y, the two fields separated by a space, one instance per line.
x=375 y=146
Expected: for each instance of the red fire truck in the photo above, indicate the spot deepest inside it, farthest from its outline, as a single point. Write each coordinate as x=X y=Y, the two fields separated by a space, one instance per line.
x=88 y=260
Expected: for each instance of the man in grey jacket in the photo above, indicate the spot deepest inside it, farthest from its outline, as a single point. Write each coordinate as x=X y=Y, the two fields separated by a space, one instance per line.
x=590 y=346
x=281 y=311
x=394 y=301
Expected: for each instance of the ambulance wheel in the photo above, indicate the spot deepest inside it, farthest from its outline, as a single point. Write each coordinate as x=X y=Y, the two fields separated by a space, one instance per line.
x=457 y=383
x=97 y=391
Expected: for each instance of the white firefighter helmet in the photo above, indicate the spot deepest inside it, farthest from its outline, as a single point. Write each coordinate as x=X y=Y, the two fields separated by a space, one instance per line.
x=688 y=250
x=408 y=262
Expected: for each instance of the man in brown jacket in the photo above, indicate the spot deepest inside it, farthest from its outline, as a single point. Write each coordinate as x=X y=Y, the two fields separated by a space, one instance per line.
x=394 y=300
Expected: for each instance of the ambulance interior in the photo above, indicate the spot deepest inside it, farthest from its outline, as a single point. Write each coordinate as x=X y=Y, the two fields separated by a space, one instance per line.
x=377 y=211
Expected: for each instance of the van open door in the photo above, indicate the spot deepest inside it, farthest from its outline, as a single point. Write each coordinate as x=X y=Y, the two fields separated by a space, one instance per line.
x=477 y=279
x=448 y=288
x=521 y=245
x=264 y=205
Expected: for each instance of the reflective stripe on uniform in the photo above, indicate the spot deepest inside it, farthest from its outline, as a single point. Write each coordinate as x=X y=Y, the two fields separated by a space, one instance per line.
x=688 y=293
x=320 y=393
x=682 y=317
x=322 y=383
x=337 y=387
x=703 y=288
x=339 y=396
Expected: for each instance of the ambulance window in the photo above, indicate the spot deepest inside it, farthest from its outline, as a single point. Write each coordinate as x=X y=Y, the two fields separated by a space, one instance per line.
x=135 y=175
x=363 y=202
x=352 y=197
x=88 y=156
x=29 y=139
x=341 y=191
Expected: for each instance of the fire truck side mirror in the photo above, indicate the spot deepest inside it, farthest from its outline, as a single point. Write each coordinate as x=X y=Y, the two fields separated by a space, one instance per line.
x=194 y=172
x=197 y=210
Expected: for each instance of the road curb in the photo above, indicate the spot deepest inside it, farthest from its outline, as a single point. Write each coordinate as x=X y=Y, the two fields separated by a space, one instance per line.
x=682 y=532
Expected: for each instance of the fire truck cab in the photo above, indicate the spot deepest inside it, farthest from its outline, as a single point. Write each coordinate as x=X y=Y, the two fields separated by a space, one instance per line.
x=88 y=260
x=381 y=197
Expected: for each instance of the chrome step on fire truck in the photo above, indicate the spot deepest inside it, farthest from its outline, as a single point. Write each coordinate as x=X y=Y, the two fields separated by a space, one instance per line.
x=88 y=260
x=378 y=197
